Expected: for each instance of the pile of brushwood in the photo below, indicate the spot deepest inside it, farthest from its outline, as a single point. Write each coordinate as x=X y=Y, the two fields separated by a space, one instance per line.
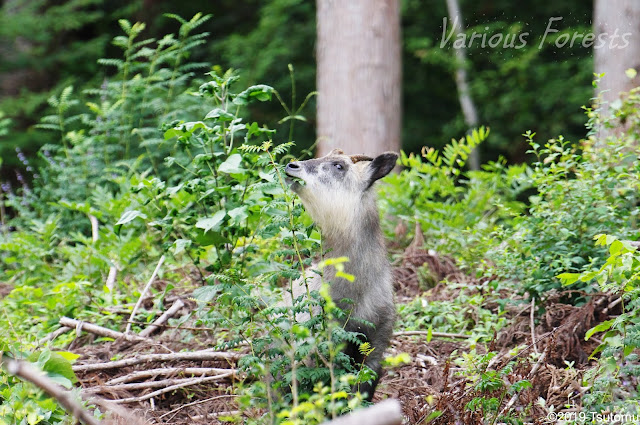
x=144 y=254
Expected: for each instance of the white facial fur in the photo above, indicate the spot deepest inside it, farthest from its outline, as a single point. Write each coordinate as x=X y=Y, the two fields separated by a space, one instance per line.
x=333 y=191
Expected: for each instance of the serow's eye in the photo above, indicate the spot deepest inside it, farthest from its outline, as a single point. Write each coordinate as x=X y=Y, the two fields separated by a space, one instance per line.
x=338 y=166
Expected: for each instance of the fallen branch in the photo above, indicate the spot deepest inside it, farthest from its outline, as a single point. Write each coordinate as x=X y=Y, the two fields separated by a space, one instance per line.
x=151 y=373
x=177 y=305
x=98 y=330
x=532 y=324
x=434 y=334
x=29 y=373
x=153 y=384
x=53 y=335
x=186 y=383
x=203 y=355
x=143 y=293
x=95 y=234
x=111 y=279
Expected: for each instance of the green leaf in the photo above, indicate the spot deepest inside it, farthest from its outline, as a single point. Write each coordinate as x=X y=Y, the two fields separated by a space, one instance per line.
x=238 y=215
x=259 y=92
x=604 y=326
x=616 y=247
x=220 y=114
x=129 y=216
x=180 y=245
x=568 y=278
x=232 y=165
x=213 y=222
x=205 y=293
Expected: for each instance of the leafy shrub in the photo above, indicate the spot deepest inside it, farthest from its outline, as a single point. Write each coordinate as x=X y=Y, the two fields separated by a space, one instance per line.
x=613 y=383
x=457 y=209
x=582 y=190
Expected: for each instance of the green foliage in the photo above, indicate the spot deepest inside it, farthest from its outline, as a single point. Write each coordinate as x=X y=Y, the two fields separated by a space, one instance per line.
x=582 y=190
x=457 y=209
x=465 y=314
x=22 y=402
x=620 y=336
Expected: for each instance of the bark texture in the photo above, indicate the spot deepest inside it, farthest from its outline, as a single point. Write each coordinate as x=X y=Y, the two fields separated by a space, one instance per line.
x=617 y=27
x=359 y=76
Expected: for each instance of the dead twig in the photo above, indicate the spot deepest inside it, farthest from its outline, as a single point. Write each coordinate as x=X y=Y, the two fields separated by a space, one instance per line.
x=177 y=305
x=532 y=324
x=143 y=293
x=152 y=384
x=185 y=383
x=151 y=373
x=98 y=330
x=203 y=355
x=433 y=334
x=29 y=373
x=95 y=234
x=111 y=279
x=53 y=335
x=214 y=415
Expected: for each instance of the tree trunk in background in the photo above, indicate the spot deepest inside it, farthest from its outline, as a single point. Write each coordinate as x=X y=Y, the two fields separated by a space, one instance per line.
x=359 y=76
x=466 y=102
x=621 y=17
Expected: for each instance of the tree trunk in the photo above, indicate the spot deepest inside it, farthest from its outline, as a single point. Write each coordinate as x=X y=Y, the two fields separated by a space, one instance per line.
x=618 y=23
x=464 y=96
x=359 y=76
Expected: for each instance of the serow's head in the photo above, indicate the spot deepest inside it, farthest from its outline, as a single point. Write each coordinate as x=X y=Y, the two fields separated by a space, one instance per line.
x=335 y=188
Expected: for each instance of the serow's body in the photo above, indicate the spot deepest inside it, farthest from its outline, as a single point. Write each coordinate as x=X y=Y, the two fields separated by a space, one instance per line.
x=336 y=191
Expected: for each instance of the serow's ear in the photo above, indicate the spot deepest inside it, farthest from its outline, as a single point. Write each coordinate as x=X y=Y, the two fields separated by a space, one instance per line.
x=381 y=166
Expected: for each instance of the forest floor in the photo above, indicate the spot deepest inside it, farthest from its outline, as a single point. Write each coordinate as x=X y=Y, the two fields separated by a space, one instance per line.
x=157 y=392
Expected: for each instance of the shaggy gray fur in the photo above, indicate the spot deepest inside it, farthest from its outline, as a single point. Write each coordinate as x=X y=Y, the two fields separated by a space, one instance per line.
x=336 y=191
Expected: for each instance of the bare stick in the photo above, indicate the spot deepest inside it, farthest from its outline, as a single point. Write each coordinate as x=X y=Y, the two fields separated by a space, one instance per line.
x=434 y=334
x=111 y=278
x=143 y=293
x=29 y=373
x=203 y=355
x=193 y=403
x=53 y=335
x=533 y=371
x=152 y=384
x=612 y=304
x=98 y=330
x=386 y=412
x=177 y=305
x=94 y=228
x=187 y=383
x=150 y=373
x=532 y=325
x=214 y=415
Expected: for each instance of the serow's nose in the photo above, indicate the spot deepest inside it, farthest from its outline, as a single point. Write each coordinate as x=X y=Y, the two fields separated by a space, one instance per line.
x=293 y=166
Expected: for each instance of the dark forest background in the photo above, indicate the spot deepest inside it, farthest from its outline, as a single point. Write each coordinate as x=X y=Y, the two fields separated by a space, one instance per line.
x=48 y=45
